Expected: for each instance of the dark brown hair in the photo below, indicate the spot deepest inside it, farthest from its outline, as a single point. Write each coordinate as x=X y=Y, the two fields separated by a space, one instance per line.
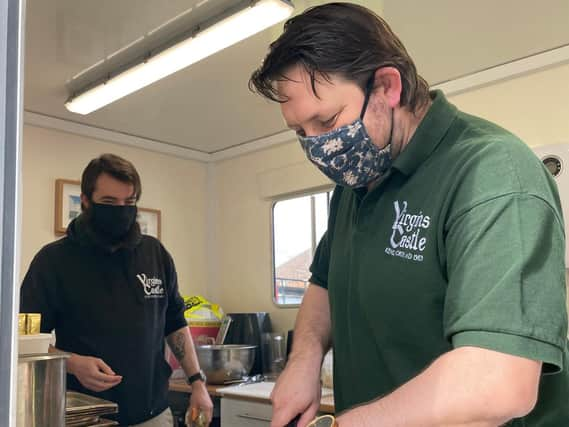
x=112 y=165
x=342 y=39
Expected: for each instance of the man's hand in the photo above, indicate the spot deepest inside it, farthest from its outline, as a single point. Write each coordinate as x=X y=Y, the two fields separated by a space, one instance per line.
x=92 y=372
x=297 y=391
x=199 y=402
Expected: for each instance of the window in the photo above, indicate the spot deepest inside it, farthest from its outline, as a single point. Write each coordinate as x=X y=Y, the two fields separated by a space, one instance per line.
x=298 y=225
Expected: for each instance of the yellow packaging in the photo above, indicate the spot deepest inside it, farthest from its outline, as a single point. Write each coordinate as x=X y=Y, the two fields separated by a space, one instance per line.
x=204 y=319
x=22 y=321
x=201 y=310
x=33 y=324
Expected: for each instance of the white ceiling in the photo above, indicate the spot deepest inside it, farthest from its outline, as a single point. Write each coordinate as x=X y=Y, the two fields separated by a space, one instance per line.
x=207 y=107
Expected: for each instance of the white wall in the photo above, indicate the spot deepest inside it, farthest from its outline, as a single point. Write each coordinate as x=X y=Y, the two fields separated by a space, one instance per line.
x=535 y=107
x=243 y=231
x=175 y=186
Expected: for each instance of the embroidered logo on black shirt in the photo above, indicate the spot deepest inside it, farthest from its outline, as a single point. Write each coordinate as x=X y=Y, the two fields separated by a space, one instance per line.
x=152 y=286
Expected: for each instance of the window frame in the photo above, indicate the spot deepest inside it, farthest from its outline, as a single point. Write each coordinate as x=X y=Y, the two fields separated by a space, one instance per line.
x=311 y=192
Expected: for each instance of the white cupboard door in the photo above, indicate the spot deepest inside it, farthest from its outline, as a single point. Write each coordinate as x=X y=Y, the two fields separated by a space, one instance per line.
x=242 y=413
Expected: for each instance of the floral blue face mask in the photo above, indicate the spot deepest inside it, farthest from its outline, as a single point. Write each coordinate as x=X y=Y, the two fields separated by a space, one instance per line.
x=347 y=154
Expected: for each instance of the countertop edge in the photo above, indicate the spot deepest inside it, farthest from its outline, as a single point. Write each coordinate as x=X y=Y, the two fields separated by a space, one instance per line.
x=326 y=403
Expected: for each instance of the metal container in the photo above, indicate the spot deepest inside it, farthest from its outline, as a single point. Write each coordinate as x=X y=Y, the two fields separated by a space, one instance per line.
x=248 y=328
x=41 y=390
x=226 y=363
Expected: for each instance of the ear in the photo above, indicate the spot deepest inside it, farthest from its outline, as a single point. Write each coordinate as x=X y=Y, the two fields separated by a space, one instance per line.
x=388 y=83
x=84 y=202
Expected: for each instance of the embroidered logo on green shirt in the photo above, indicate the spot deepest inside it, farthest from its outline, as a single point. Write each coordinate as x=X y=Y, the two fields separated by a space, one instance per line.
x=407 y=240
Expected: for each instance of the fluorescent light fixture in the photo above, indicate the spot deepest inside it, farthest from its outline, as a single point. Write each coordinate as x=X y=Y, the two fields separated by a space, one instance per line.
x=245 y=23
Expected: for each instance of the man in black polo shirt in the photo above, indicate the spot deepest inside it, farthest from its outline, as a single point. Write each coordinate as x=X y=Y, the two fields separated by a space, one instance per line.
x=111 y=295
x=441 y=278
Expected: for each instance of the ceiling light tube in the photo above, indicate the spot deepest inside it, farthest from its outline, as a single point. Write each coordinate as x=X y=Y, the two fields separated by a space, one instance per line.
x=245 y=23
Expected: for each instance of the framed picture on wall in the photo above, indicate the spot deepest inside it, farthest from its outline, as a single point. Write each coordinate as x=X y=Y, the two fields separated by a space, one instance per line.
x=67 y=203
x=149 y=221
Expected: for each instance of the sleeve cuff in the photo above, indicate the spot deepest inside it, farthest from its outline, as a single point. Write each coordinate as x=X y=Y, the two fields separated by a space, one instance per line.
x=175 y=324
x=318 y=281
x=530 y=348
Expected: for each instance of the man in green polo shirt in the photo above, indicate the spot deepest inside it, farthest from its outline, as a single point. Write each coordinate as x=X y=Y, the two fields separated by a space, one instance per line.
x=441 y=278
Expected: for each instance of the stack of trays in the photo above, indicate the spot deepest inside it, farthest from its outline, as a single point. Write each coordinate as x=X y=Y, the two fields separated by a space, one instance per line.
x=84 y=411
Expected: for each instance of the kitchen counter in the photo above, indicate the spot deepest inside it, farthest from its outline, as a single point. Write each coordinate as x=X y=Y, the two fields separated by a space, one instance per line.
x=183 y=387
x=256 y=392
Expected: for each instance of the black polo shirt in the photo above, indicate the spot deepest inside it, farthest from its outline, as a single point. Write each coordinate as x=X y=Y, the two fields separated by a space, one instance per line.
x=115 y=305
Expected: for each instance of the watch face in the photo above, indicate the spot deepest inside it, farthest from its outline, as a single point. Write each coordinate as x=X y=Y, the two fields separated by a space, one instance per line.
x=323 y=421
x=196 y=377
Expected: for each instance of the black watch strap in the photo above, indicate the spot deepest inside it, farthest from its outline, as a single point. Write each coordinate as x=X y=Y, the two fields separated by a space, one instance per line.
x=198 y=376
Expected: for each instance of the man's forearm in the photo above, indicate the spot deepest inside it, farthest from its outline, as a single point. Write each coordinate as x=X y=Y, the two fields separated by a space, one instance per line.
x=312 y=327
x=467 y=387
x=181 y=344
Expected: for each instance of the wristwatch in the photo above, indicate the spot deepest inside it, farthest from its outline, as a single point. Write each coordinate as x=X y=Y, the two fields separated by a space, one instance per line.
x=324 y=421
x=198 y=376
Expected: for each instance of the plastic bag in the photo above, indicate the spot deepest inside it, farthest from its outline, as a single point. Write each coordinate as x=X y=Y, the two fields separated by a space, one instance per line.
x=204 y=319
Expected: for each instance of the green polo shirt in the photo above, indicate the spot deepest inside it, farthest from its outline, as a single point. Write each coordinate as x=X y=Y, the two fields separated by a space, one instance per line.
x=462 y=244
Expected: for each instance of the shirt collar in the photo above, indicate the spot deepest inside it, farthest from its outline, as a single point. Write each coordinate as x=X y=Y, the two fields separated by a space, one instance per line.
x=430 y=132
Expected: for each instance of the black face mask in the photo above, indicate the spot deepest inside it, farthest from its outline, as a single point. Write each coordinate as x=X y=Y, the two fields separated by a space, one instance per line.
x=112 y=222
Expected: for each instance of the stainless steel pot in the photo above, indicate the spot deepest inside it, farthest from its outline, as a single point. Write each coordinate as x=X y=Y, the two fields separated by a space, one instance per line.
x=227 y=362
x=41 y=390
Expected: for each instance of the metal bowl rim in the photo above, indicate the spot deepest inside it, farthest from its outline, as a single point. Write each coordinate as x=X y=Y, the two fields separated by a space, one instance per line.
x=225 y=347
x=33 y=357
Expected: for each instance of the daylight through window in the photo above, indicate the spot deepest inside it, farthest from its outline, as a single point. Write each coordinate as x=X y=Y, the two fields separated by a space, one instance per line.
x=298 y=225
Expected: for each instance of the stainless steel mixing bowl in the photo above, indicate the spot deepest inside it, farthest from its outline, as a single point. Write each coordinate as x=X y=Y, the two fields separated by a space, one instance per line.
x=226 y=362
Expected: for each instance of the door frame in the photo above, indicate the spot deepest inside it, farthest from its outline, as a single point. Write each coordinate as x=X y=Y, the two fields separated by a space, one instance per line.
x=11 y=83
